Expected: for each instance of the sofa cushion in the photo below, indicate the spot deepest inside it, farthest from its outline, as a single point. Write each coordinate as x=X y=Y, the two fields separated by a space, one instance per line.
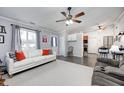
x=23 y=62
x=34 y=53
x=122 y=67
x=20 y=56
x=121 y=63
x=114 y=70
x=32 y=60
x=38 y=58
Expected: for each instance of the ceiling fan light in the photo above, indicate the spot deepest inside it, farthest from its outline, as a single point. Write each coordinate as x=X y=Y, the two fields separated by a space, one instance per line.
x=67 y=22
x=70 y=21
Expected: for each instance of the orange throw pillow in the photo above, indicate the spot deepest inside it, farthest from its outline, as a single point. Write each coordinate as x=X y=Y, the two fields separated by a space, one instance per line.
x=46 y=52
x=20 y=56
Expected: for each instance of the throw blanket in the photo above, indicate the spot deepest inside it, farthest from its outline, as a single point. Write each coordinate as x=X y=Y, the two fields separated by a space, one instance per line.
x=103 y=79
x=112 y=76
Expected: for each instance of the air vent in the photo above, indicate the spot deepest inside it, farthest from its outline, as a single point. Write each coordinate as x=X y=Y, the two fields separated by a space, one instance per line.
x=32 y=23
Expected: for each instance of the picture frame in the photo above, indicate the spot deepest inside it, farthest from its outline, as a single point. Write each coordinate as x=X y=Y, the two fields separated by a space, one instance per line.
x=1 y=38
x=44 y=39
x=2 y=29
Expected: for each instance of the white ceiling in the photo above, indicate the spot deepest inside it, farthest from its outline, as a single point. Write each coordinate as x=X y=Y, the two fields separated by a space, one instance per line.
x=47 y=16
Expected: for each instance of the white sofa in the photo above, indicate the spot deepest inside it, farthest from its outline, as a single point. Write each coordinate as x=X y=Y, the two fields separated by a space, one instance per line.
x=33 y=58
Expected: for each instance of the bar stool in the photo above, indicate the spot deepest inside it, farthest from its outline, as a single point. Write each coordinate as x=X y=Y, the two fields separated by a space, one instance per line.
x=118 y=55
x=103 y=52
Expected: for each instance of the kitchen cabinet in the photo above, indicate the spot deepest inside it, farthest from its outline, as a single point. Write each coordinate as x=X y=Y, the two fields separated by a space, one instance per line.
x=72 y=37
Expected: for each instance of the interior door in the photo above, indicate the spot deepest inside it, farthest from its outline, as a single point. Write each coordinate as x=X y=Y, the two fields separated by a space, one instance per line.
x=92 y=42
x=62 y=46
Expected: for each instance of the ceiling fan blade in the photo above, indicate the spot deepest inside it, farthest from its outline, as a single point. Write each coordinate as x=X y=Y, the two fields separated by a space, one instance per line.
x=104 y=28
x=79 y=14
x=77 y=21
x=61 y=20
x=63 y=13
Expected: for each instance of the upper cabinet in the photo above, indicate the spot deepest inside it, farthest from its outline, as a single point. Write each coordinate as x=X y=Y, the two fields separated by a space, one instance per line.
x=72 y=37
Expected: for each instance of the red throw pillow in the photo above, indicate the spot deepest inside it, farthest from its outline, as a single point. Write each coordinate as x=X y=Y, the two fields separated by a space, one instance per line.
x=46 y=52
x=20 y=56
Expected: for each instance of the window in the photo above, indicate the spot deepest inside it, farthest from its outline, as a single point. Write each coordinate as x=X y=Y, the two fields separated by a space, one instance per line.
x=54 y=42
x=28 y=39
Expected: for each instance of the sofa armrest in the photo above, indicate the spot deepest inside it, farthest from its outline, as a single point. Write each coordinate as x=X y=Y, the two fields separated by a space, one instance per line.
x=9 y=64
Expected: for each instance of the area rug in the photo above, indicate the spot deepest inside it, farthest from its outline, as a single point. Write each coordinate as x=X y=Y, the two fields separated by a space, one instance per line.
x=57 y=73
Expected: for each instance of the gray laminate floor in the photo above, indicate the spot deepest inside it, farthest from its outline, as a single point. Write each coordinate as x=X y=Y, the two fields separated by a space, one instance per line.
x=90 y=60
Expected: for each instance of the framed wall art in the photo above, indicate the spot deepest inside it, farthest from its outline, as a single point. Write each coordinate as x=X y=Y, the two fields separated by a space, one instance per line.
x=44 y=39
x=2 y=29
x=1 y=38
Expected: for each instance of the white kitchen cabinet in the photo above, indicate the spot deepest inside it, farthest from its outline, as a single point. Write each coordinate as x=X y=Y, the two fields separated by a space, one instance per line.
x=72 y=37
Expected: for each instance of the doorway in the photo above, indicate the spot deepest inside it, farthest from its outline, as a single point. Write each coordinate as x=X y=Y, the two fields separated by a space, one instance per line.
x=85 y=45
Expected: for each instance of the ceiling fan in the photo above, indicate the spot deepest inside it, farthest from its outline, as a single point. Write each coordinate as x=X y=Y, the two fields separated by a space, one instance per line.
x=101 y=28
x=69 y=19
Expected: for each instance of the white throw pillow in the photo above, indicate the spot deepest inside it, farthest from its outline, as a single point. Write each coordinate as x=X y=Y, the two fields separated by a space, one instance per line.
x=34 y=53
x=26 y=54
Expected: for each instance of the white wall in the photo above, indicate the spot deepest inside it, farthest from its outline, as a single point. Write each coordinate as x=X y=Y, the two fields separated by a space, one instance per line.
x=48 y=44
x=120 y=27
x=77 y=45
x=95 y=39
x=63 y=44
x=92 y=42
x=4 y=48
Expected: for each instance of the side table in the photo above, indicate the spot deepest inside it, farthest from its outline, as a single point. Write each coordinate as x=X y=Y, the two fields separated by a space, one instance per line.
x=1 y=79
x=2 y=69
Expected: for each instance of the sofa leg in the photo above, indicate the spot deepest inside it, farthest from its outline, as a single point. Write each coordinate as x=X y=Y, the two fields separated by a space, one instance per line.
x=10 y=76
